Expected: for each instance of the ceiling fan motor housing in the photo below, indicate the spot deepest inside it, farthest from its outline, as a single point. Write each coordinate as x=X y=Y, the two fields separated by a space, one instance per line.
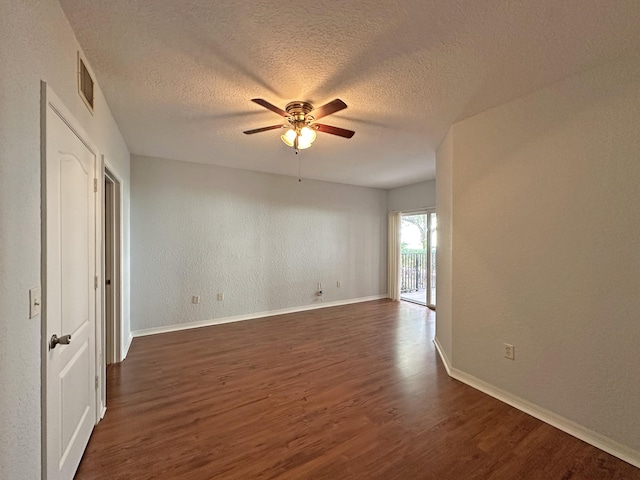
x=299 y=112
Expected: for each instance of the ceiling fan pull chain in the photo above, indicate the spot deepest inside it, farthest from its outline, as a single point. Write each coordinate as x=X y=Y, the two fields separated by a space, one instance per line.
x=299 y=168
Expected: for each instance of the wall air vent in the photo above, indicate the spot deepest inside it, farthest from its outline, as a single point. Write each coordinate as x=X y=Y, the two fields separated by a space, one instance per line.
x=85 y=84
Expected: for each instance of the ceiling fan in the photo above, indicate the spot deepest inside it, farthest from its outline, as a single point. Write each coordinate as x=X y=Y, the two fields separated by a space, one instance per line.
x=301 y=126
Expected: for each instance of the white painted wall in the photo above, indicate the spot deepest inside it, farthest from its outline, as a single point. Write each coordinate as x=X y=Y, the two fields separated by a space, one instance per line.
x=546 y=253
x=263 y=240
x=412 y=197
x=36 y=43
x=444 y=205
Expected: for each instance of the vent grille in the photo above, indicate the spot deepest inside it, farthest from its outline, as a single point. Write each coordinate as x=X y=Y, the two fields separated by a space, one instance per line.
x=85 y=84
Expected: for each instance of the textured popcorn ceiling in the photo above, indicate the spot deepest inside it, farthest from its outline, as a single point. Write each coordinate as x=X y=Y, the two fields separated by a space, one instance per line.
x=179 y=75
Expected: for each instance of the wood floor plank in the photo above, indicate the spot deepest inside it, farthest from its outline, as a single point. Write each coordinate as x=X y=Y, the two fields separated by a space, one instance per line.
x=355 y=391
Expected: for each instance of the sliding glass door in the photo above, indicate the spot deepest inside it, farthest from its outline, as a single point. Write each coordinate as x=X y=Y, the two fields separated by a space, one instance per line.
x=417 y=270
x=432 y=225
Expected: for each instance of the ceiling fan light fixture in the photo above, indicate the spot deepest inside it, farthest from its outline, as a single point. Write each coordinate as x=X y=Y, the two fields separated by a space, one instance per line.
x=305 y=137
x=289 y=137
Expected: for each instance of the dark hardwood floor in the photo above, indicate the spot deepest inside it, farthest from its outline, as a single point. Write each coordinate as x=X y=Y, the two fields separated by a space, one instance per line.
x=350 y=392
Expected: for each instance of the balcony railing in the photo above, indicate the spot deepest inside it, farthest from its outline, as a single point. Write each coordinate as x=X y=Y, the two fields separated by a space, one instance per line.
x=413 y=272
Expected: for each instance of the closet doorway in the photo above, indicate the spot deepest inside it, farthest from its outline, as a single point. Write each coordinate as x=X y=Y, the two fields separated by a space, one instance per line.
x=112 y=267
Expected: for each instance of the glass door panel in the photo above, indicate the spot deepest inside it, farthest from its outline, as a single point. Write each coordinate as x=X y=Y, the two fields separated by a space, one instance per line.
x=433 y=242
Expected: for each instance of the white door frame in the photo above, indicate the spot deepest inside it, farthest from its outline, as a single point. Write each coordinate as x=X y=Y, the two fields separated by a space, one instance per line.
x=48 y=97
x=427 y=211
x=430 y=304
x=111 y=328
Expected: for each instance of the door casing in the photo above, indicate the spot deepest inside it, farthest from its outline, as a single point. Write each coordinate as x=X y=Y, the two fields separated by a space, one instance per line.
x=112 y=270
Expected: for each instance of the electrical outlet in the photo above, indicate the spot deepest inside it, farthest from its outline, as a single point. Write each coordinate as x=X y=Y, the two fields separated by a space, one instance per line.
x=338 y=284
x=509 y=351
x=220 y=297
x=195 y=299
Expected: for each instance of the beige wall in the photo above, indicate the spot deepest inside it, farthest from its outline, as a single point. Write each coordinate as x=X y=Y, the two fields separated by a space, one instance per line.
x=412 y=197
x=545 y=224
x=36 y=43
x=444 y=205
x=263 y=240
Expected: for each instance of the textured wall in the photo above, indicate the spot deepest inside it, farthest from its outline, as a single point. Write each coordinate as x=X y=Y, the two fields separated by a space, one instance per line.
x=263 y=240
x=444 y=193
x=546 y=229
x=36 y=43
x=412 y=197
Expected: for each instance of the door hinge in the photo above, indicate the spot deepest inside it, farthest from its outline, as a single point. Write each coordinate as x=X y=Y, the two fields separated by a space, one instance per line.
x=95 y=184
x=95 y=282
x=97 y=382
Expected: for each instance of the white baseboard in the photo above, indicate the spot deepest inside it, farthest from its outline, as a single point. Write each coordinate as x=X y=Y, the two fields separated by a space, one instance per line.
x=586 y=435
x=127 y=346
x=249 y=316
x=443 y=356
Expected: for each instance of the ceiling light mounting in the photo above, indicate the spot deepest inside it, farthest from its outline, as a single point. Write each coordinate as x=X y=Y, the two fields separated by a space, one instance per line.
x=299 y=110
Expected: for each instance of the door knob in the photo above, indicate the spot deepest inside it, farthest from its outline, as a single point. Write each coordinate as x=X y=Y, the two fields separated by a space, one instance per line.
x=64 y=340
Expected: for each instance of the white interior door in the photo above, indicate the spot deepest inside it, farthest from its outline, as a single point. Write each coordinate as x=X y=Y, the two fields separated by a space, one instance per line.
x=69 y=292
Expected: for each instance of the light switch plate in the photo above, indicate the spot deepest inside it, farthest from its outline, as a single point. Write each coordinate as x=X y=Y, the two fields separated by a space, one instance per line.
x=35 y=302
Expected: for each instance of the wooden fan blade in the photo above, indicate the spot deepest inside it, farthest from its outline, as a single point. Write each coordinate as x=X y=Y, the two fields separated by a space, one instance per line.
x=341 y=132
x=329 y=108
x=263 y=129
x=269 y=106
